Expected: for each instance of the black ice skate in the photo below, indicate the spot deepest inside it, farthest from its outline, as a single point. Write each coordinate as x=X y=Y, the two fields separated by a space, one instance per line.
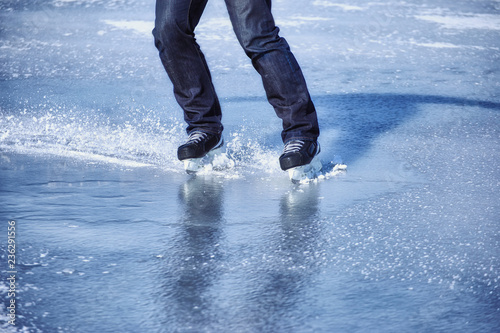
x=300 y=159
x=199 y=150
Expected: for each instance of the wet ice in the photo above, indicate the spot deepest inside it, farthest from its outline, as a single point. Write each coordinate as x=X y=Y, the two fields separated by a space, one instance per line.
x=113 y=236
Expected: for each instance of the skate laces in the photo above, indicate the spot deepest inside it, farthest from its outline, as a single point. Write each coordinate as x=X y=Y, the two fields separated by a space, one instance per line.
x=196 y=137
x=293 y=146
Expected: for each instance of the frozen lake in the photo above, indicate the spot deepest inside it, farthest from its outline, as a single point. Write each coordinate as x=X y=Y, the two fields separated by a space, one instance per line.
x=113 y=236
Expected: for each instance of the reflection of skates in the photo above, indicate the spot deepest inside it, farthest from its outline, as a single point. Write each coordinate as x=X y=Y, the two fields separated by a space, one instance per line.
x=202 y=197
x=300 y=159
x=203 y=150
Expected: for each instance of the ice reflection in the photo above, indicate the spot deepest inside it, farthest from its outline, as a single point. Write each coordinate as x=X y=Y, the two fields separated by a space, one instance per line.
x=209 y=283
x=292 y=257
x=193 y=271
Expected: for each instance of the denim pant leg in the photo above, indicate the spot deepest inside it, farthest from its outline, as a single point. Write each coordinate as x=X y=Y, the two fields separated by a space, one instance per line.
x=281 y=75
x=185 y=64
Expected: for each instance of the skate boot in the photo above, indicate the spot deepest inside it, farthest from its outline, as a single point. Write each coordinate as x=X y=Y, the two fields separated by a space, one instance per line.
x=199 y=150
x=300 y=159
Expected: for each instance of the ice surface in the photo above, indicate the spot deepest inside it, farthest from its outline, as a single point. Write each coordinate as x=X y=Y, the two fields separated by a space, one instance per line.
x=113 y=236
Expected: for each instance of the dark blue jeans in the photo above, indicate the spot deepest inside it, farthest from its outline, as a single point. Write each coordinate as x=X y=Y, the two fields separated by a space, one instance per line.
x=257 y=33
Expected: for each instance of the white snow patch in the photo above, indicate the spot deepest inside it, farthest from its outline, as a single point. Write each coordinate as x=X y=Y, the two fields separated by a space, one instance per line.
x=296 y=21
x=216 y=29
x=215 y=23
x=440 y=45
x=310 y=18
x=101 y=158
x=326 y=3
x=465 y=21
x=68 y=271
x=85 y=156
x=141 y=27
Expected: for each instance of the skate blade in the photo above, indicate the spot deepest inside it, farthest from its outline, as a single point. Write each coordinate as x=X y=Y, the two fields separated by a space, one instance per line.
x=193 y=165
x=306 y=173
x=214 y=160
